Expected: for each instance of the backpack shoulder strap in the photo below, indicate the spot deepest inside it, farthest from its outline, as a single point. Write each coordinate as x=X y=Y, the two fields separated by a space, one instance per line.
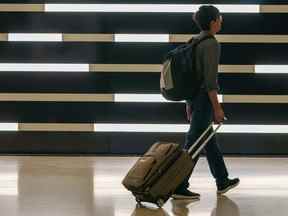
x=198 y=41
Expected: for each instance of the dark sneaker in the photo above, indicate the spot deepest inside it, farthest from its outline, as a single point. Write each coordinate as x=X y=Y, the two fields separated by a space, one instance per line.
x=228 y=185
x=185 y=194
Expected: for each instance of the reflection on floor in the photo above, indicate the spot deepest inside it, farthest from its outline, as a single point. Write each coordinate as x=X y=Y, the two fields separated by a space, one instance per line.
x=60 y=186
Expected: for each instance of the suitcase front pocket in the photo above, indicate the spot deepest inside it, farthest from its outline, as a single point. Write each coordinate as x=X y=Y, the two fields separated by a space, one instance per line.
x=139 y=174
x=143 y=167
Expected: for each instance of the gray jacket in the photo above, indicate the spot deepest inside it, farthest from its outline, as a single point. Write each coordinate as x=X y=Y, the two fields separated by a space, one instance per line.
x=207 y=59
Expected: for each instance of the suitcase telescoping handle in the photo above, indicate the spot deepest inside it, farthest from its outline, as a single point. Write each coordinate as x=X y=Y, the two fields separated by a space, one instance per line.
x=195 y=154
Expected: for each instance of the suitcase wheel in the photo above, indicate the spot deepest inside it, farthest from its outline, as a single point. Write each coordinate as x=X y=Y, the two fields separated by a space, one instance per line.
x=139 y=204
x=160 y=203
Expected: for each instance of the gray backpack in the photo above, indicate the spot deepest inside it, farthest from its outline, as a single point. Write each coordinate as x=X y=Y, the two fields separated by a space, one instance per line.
x=179 y=80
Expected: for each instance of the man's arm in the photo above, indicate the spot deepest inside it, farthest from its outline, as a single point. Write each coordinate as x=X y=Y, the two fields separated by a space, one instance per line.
x=211 y=56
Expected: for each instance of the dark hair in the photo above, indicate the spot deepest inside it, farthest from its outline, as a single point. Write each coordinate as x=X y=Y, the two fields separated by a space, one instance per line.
x=205 y=15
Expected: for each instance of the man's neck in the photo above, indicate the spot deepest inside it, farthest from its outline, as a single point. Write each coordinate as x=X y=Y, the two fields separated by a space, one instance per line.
x=208 y=32
x=211 y=32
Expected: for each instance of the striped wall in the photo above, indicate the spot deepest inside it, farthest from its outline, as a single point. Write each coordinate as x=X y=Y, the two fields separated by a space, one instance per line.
x=76 y=79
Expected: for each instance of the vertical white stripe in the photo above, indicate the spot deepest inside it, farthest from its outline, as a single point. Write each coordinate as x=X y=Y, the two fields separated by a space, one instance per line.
x=35 y=37
x=173 y=128
x=167 y=8
x=281 y=129
x=183 y=128
x=140 y=98
x=8 y=126
x=271 y=69
x=147 y=98
x=142 y=38
x=44 y=67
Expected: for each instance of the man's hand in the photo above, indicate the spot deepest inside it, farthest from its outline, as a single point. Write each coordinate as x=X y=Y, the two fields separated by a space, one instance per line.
x=219 y=115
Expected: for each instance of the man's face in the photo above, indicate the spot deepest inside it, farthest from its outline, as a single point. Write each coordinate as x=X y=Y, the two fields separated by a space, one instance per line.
x=217 y=24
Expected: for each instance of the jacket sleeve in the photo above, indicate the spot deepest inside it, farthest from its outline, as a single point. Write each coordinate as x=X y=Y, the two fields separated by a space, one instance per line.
x=210 y=56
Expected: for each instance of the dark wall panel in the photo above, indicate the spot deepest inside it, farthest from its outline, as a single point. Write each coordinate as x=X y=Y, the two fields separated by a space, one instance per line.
x=127 y=143
x=128 y=53
x=59 y=82
x=121 y=82
x=255 y=144
x=257 y=84
x=141 y=113
x=53 y=143
x=177 y=23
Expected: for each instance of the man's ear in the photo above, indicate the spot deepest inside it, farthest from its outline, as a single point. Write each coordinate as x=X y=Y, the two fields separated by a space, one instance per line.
x=212 y=23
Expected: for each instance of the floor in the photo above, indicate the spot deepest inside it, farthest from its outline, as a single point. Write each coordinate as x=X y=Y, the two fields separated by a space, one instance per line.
x=82 y=186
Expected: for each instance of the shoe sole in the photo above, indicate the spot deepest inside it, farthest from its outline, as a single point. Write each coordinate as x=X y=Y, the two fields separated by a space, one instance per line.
x=228 y=188
x=180 y=197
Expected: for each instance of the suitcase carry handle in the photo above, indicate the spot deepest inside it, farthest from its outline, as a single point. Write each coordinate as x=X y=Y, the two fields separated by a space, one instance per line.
x=205 y=142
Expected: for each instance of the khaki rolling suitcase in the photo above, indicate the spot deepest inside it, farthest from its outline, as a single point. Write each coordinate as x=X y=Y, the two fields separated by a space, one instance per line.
x=157 y=174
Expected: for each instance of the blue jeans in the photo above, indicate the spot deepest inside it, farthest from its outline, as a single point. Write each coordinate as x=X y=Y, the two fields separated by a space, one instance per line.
x=202 y=116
